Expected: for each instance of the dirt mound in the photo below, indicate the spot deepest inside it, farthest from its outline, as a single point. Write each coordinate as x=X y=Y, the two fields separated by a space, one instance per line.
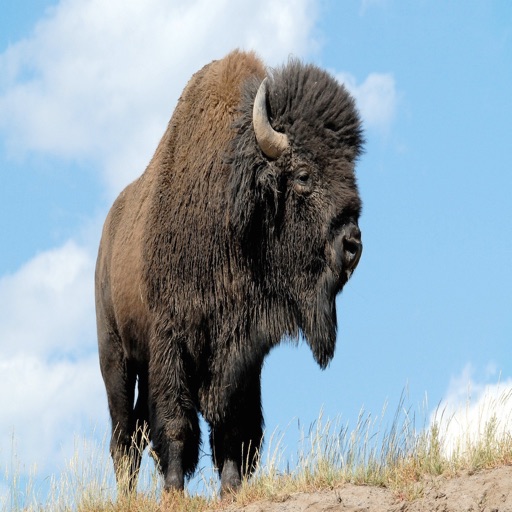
x=485 y=491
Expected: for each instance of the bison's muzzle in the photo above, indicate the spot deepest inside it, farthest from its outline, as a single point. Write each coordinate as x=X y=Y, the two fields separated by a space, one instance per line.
x=352 y=247
x=347 y=250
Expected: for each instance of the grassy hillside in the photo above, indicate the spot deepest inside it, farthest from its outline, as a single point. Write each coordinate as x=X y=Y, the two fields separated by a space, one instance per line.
x=397 y=458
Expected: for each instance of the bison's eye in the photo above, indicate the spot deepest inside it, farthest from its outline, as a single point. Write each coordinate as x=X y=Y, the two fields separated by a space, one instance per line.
x=302 y=182
x=303 y=177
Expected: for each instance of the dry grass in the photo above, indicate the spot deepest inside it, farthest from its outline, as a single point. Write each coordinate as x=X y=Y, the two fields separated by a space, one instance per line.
x=330 y=454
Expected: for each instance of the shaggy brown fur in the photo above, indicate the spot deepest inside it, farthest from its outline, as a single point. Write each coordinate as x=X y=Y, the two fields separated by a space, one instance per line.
x=217 y=252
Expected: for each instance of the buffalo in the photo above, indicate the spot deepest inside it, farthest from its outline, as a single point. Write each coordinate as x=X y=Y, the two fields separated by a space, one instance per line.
x=239 y=234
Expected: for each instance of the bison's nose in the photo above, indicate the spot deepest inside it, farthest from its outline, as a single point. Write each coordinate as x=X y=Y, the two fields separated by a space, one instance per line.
x=352 y=246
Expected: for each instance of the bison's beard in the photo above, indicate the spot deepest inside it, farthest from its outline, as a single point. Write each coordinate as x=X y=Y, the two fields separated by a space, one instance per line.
x=319 y=323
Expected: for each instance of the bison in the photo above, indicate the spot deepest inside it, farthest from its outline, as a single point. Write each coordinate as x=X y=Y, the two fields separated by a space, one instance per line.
x=239 y=234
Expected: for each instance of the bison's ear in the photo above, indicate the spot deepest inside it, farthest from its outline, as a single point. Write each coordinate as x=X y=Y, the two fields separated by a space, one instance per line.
x=266 y=182
x=254 y=203
x=241 y=199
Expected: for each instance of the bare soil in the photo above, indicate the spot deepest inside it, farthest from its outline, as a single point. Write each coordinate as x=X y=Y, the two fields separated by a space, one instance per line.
x=484 y=491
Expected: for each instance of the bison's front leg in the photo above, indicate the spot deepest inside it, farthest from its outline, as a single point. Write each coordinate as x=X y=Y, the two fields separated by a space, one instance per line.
x=171 y=461
x=175 y=431
x=176 y=438
x=236 y=441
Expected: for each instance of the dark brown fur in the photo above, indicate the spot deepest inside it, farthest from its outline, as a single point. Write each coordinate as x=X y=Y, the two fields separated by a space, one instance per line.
x=216 y=253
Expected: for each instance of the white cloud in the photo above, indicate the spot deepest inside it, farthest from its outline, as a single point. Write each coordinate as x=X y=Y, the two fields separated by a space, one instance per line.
x=468 y=408
x=376 y=98
x=51 y=383
x=48 y=305
x=99 y=80
x=45 y=405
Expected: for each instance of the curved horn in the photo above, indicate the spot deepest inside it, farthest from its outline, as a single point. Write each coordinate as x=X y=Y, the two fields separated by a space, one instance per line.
x=272 y=143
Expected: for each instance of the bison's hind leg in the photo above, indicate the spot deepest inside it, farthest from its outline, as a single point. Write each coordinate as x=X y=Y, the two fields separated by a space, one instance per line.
x=127 y=441
x=140 y=427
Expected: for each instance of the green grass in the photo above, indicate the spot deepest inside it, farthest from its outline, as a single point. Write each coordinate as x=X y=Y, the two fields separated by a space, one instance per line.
x=329 y=455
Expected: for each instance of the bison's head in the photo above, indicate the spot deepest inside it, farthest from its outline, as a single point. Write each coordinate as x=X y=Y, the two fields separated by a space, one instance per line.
x=296 y=200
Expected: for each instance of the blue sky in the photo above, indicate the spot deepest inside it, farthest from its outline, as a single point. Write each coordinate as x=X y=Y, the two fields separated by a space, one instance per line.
x=86 y=89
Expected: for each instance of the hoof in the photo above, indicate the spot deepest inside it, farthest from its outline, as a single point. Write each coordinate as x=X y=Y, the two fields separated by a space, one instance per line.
x=230 y=479
x=174 y=482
